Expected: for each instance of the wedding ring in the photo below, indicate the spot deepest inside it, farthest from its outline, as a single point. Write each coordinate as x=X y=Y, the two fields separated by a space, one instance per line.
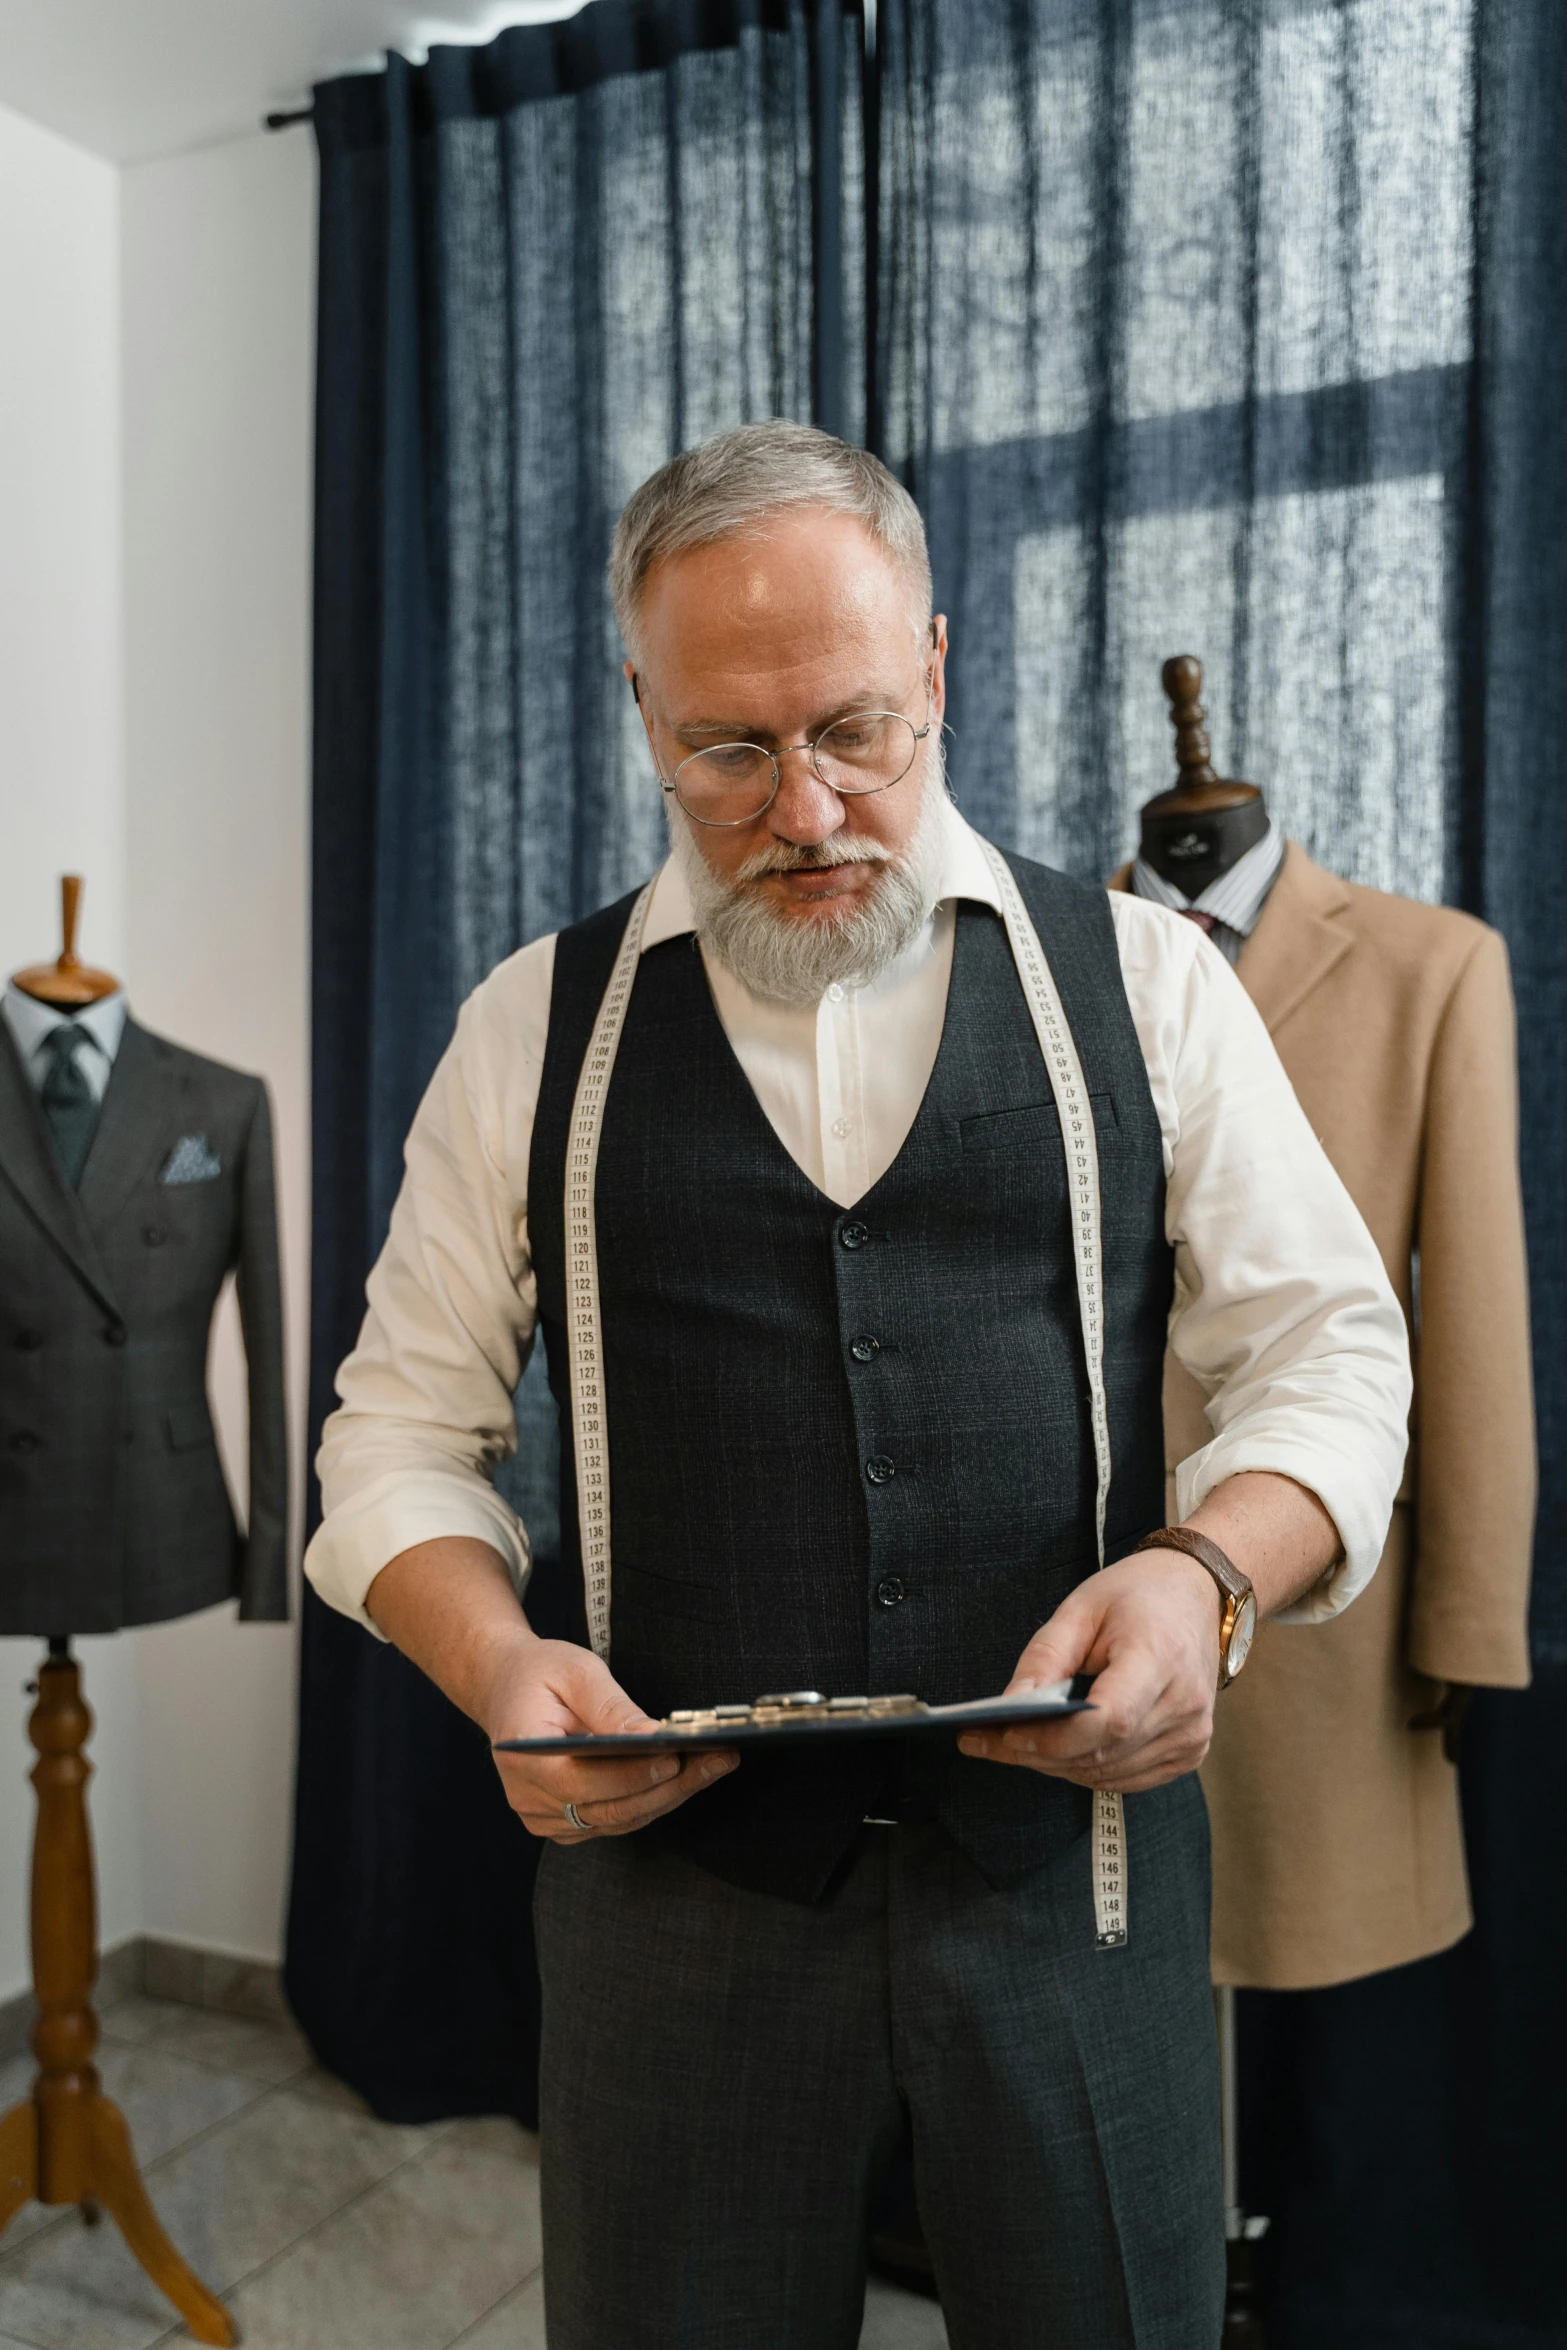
x=582 y=1826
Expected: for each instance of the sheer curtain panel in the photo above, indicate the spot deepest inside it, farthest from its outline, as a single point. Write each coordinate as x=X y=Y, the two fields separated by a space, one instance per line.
x=1237 y=327
x=545 y=265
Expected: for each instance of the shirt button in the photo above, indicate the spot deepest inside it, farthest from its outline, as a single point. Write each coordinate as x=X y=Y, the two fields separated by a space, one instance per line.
x=890 y=1590
x=854 y=1236
x=28 y=1340
x=880 y=1469
x=835 y=993
x=864 y=1347
x=114 y=1334
x=843 y=1128
x=24 y=1441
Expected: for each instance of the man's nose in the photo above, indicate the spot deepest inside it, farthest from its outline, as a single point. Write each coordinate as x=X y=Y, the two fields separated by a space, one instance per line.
x=806 y=811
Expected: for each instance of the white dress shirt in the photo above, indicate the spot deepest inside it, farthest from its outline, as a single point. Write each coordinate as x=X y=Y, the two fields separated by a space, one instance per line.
x=32 y=1024
x=1282 y=1308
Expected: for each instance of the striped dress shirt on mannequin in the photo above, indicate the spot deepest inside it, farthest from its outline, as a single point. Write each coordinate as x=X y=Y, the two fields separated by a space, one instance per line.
x=1229 y=907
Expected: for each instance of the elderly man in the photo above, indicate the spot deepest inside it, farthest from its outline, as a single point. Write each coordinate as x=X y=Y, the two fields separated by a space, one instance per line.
x=855 y=1174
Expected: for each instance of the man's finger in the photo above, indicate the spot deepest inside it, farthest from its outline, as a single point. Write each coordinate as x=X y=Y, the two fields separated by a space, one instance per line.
x=1129 y=1709
x=544 y=1815
x=697 y=1772
x=1124 y=1708
x=593 y=1698
x=1127 y=1695
x=563 y=1779
x=1061 y=1647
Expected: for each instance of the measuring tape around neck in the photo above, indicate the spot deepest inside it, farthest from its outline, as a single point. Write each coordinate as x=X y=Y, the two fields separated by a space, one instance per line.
x=584 y=1321
x=1081 y=1146
x=589 y=1420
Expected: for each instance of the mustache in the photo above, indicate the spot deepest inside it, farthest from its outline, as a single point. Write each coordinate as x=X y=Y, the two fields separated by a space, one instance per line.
x=786 y=856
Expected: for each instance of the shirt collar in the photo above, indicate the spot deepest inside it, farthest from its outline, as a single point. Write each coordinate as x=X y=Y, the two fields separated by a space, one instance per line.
x=965 y=873
x=32 y=1023
x=1236 y=898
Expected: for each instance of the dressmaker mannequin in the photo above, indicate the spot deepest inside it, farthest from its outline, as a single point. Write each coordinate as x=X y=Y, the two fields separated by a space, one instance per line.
x=1205 y=823
x=68 y=2142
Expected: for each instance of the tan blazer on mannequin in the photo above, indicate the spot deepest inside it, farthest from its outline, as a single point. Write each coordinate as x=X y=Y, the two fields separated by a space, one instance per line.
x=1338 y=1848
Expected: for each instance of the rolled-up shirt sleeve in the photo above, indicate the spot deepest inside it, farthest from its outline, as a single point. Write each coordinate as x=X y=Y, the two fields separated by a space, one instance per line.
x=1283 y=1311
x=425 y=1412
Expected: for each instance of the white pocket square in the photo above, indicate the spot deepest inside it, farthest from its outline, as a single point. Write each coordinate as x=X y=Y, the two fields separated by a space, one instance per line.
x=191 y=1161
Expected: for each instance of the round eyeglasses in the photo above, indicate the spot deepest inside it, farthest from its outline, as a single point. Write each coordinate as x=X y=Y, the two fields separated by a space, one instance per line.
x=734 y=783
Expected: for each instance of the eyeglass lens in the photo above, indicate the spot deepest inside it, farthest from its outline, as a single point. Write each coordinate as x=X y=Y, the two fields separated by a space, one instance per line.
x=734 y=781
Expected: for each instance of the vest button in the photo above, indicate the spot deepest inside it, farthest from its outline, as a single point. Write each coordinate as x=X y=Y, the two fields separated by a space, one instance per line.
x=864 y=1348
x=114 y=1334
x=154 y=1235
x=24 y=1441
x=854 y=1235
x=889 y=1591
x=880 y=1470
x=28 y=1340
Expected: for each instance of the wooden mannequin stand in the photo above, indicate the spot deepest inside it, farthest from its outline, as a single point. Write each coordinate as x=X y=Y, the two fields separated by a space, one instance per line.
x=68 y=2143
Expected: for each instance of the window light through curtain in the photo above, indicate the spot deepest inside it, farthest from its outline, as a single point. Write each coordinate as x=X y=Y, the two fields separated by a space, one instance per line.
x=1175 y=341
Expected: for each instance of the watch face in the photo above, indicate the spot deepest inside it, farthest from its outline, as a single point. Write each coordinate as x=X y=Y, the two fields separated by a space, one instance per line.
x=1242 y=1634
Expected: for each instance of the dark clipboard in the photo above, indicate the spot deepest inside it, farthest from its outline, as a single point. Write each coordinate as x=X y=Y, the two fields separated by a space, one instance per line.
x=941 y=1722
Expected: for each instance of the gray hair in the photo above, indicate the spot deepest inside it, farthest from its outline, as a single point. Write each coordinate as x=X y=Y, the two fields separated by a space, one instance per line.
x=732 y=485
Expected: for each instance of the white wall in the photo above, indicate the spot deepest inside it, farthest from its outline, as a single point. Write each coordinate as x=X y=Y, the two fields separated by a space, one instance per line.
x=217 y=317
x=61 y=784
x=155 y=429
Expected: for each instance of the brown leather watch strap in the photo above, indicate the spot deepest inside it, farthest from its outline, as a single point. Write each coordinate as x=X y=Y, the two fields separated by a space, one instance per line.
x=1204 y=1550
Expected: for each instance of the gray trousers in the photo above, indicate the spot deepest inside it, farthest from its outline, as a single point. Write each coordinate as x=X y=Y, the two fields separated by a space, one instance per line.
x=725 y=2075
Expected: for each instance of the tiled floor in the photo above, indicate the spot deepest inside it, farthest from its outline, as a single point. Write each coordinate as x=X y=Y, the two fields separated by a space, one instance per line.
x=321 y=2227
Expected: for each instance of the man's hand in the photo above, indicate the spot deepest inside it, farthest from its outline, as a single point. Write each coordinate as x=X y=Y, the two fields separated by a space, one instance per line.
x=1148 y=1630
x=548 y=1688
x=450 y=1606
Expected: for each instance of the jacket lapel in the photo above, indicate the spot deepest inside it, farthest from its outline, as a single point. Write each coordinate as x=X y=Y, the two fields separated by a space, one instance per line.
x=28 y=1162
x=1301 y=935
x=136 y=1127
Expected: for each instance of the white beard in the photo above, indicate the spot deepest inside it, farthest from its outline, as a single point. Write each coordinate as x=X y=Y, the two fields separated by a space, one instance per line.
x=789 y=959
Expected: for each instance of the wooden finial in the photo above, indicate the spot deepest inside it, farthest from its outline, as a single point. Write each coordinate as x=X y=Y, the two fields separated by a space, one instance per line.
x=67 y=982
x=1197 y=790
x=1181 y=678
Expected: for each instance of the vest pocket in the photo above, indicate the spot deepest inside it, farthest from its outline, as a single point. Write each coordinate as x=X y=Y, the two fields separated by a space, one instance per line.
x=653 y=1593
x=992 y=1130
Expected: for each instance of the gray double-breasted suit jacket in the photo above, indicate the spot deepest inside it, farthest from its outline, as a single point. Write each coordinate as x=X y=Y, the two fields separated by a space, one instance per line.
x=113 y=1505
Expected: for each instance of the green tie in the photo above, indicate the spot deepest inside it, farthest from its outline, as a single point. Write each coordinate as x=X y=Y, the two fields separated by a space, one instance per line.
x=68 y=1100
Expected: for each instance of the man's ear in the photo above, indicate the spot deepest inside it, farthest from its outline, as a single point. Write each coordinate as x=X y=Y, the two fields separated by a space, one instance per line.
x=635 y=684
x=938 y=662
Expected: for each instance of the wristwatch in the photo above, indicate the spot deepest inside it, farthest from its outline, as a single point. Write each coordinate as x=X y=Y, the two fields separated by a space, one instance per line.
x=1238 y=1621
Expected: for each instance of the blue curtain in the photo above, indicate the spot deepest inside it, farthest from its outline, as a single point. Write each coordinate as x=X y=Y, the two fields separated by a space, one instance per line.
x=545 y=265
x=1236 y=326
x=1232 y=325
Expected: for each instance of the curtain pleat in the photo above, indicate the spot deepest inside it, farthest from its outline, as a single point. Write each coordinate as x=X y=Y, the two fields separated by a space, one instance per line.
x=1235 y=327
x=545 y=265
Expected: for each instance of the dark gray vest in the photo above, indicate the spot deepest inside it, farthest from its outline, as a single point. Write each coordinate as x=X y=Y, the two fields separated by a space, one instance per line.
x=850 y=1449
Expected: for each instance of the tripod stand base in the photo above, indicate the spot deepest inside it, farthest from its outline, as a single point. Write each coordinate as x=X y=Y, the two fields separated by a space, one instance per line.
x=110 y=2180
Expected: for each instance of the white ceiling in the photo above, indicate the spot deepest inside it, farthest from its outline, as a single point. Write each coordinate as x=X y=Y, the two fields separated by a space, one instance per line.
x=131 y=79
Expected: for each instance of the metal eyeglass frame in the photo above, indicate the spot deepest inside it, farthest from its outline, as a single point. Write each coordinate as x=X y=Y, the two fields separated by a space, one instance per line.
x=671 y=786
